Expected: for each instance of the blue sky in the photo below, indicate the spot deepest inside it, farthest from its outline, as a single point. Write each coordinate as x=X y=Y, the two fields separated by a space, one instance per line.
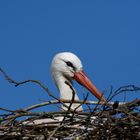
x=104 y=34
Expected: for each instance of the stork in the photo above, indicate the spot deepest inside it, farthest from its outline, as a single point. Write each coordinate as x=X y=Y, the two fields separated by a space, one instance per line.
x=66 y=67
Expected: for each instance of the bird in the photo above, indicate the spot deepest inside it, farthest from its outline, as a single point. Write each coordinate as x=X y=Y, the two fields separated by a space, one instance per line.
x=65 y=68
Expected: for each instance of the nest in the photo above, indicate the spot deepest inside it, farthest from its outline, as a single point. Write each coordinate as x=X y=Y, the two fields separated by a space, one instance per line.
x=104 y=122
x=99 y=120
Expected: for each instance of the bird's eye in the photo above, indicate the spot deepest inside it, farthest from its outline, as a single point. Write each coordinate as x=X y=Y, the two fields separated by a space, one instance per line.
x=69 y=64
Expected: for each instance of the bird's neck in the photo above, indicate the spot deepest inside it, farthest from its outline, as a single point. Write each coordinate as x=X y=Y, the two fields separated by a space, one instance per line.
x=67 y=91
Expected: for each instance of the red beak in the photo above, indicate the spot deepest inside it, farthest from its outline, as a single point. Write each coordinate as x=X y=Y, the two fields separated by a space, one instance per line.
x=82 y=79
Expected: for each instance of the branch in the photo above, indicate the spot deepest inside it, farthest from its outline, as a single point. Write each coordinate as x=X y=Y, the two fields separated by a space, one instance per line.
x=10 y=80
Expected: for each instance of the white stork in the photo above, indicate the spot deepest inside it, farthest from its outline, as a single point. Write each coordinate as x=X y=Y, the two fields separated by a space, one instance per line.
x=66 y=67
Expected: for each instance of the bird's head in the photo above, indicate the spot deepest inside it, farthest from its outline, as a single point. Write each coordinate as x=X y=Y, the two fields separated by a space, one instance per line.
x=69 y=65
x=66 y=64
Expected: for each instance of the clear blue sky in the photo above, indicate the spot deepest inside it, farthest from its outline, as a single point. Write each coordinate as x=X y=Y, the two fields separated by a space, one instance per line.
x=104 y=34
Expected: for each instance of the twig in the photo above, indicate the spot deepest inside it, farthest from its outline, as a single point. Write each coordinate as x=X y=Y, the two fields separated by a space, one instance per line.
x=10 y=80
x=113 y=120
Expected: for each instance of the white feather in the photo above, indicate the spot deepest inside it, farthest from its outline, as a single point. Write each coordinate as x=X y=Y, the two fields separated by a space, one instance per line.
x=61 y=73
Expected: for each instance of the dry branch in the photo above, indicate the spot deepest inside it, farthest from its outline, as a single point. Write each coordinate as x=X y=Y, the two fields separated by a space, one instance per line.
x=108 y=121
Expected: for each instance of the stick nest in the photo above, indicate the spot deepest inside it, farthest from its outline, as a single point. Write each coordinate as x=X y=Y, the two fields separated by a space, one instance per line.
x=99 y=121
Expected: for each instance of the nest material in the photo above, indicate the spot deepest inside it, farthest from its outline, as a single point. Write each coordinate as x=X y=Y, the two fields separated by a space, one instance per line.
x=104 y=122
x=99 y=121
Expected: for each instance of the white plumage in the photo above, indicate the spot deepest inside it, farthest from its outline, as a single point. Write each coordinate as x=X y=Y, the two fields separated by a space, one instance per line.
x=65 y=67
x=61 y=72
